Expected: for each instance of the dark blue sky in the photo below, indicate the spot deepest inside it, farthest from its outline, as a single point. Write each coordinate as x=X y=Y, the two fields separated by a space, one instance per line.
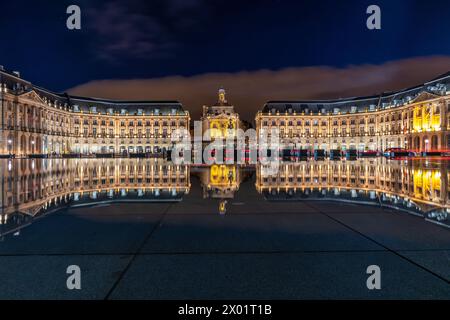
x=154 y=38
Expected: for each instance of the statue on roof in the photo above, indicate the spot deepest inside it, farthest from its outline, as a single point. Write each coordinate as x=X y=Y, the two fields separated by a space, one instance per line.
x=222 y=99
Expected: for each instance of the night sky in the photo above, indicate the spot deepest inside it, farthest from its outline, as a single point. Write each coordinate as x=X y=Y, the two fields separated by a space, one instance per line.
x=153 y=39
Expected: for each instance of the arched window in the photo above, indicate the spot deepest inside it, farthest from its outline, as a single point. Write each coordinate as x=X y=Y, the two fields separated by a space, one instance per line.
x=434 y=142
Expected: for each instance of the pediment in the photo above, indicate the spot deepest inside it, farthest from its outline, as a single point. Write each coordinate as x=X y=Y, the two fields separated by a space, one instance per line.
x=220 y=116
x=424 y=96
x=32 y=95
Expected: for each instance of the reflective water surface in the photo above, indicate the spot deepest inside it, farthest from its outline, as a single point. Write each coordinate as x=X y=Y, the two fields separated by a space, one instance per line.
x=32 y=188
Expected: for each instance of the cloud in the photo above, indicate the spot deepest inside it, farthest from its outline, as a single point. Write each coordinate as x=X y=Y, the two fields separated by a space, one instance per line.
x=136 y=30
x=249 y=90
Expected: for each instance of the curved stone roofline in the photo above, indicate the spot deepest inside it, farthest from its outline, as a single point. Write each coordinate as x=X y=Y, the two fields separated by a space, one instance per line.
x=70 y=100
x=439 y=86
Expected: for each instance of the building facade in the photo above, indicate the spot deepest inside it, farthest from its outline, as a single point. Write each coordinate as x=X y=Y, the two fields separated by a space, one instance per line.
x=37 y=121
x=220 y=120
x=417 y=119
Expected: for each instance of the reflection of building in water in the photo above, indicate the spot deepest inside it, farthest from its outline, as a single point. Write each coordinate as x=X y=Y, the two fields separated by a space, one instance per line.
x=221 y=119
x=417 y=118
x=220 y=181
x=38 y=121
x=372 y=179
x=29 y=186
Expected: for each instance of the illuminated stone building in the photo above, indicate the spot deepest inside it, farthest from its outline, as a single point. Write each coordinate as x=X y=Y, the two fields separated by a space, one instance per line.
x=37 y=121
x=221 y=119
x=417 y=119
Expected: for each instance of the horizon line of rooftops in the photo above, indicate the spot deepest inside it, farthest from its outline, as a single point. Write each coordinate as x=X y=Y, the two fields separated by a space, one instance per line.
x=439 y=86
